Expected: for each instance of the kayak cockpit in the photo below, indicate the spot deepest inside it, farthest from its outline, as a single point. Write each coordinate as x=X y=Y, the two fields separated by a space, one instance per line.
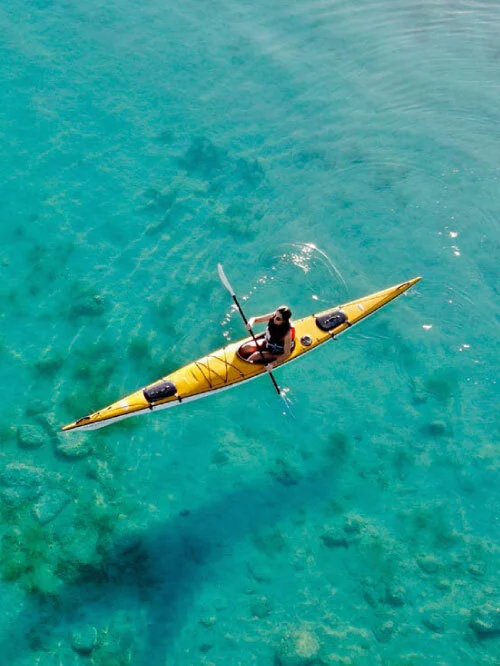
x=243 y=354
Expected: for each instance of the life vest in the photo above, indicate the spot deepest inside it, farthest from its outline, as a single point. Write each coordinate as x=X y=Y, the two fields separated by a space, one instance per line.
x=277 y=346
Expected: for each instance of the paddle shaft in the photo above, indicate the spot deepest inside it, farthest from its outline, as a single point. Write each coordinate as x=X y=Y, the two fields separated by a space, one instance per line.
x=225 y=282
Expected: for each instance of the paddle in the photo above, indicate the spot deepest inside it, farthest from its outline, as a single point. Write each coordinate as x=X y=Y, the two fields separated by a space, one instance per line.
x=226 y=283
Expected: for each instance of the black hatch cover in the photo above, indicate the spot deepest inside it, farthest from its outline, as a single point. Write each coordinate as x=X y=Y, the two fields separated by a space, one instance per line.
x=159 y=391
x=331 y=320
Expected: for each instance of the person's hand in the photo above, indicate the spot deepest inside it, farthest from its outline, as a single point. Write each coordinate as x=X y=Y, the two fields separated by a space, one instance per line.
x=250 y=323
x=269 y=367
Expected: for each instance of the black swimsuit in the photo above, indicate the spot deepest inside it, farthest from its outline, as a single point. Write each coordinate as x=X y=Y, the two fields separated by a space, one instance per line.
x=275 y=337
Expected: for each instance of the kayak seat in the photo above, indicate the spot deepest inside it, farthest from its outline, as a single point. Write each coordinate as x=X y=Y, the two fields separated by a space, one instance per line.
x=159 y=391
x=331 y=320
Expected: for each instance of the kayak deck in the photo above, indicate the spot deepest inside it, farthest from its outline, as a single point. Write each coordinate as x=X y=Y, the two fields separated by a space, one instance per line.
x=224 y=368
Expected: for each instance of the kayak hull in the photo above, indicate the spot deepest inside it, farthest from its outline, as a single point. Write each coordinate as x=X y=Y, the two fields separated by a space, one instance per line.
x=224 y=368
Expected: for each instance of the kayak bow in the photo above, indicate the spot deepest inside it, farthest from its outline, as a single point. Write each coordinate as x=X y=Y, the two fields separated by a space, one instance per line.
x=225 y=368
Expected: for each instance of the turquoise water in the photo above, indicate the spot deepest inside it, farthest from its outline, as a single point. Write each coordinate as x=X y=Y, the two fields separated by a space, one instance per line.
x=320 y=151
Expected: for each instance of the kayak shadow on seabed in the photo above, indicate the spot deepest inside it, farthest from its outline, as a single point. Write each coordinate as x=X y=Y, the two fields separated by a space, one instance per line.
x=162 y=569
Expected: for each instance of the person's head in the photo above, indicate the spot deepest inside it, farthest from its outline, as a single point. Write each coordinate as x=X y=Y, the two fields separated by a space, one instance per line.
x=282 y=315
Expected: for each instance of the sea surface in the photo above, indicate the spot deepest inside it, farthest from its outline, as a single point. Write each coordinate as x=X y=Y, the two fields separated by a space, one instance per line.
x=320 y=151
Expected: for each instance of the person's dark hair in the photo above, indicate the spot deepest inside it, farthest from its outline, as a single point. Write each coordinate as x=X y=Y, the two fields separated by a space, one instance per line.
x=280 y=330
x=285 y=312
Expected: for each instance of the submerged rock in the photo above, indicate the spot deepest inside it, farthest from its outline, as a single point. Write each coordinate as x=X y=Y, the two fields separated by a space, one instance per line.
x=485 y=620
x=73 y=445
x=84 y=640
x=299 y=647
x=86 y=303
x=353 y=525
x=442 y=384
x=260 y=572
x=285 y=473
x=31 y=436
x=419 y=391
x=428 y=563
x=435 y=429
x=433 y=621
x=220 y=457
x=337 y=447
x=50 y=505
x=204 y=158
x=20 y=483
x=205 y=647
x=334 y=538
x=476 y=569
x=261 y=607
x=395 y=595
x=383 y=632
x=270 y=542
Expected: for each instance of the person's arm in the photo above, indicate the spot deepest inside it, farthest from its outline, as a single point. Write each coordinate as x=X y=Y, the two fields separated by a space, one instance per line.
x=258 y=320
x=287 y=343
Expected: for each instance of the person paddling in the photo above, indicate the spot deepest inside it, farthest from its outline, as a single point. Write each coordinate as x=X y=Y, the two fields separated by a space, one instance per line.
x=276 y=344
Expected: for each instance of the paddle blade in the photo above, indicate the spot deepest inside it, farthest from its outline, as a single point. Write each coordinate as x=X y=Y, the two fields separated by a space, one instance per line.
x=224 y=279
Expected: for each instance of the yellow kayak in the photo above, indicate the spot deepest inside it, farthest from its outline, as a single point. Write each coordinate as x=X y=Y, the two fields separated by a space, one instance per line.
x=225 y=368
